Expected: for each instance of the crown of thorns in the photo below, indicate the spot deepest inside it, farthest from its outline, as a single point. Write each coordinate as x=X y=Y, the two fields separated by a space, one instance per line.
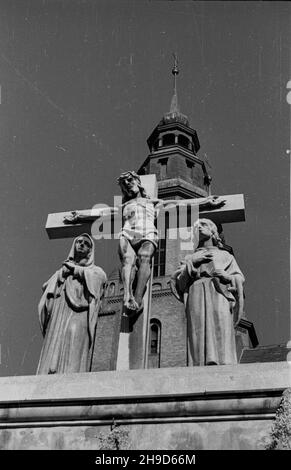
x=125 y=175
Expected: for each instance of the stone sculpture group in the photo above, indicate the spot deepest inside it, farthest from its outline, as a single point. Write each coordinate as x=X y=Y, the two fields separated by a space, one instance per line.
x=208 y=282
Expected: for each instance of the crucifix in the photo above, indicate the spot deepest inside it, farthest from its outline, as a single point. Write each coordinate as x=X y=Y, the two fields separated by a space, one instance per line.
x=138 y=239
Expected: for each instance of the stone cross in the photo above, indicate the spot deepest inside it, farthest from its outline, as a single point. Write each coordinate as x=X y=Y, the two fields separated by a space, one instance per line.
x=134 y=333
x=232 y=211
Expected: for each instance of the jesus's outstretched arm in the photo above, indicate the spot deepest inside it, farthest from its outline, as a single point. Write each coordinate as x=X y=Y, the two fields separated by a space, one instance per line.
x=209 y=202
x=89 y=216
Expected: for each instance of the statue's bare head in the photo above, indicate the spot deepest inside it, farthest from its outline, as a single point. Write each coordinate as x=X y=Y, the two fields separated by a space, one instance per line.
x=130 y=185
x=205 y=229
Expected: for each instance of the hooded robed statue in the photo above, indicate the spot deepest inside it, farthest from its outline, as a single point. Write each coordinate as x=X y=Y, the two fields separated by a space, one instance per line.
x=68 y=311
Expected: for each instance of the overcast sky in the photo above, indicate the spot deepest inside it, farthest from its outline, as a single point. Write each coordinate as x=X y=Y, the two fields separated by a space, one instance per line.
x=83 y=84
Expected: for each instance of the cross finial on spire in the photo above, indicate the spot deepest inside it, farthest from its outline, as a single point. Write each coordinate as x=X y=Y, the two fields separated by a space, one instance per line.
x=174 y=115
x=174 y=103
x=175 y=71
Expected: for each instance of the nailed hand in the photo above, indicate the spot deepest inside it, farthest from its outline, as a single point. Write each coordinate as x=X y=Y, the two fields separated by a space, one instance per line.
x=213 y=202
x=72 y=219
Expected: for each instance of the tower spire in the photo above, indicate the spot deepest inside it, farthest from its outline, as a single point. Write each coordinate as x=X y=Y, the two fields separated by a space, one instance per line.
x=175 y=115
x=175 y=71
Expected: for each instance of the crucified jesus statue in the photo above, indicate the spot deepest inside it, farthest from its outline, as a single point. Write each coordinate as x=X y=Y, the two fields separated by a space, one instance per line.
x=138 y=239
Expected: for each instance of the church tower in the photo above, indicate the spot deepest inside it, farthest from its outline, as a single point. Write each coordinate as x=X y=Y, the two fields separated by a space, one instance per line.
x=181 y=174
x=173 y=146
x=173 y=158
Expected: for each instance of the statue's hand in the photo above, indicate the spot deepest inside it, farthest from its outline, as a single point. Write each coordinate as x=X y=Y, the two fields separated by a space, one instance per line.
x=72 y=219
x=69 y=266
x=65 y=271
x=223 y=276
x=200 y=257
x=213 y=202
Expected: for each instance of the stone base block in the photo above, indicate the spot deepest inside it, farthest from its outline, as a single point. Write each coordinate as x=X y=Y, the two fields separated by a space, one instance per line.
x=214 y=407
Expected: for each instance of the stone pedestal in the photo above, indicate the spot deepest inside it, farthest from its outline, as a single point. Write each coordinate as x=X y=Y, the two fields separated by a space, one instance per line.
x=215 y=407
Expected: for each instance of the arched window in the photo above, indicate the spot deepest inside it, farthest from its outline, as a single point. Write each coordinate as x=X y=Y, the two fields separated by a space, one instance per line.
x=160 y=254
x=154 y=344
x=154 y=338
x=156 y=144
x=168 y=139
x=111 y=289
x=157 y=286
x=183 y=141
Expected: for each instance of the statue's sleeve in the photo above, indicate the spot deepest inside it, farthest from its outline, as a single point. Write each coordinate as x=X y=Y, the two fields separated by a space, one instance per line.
x=233 y=269
x=237 y=283
x=45 y=305
x=183 y=278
